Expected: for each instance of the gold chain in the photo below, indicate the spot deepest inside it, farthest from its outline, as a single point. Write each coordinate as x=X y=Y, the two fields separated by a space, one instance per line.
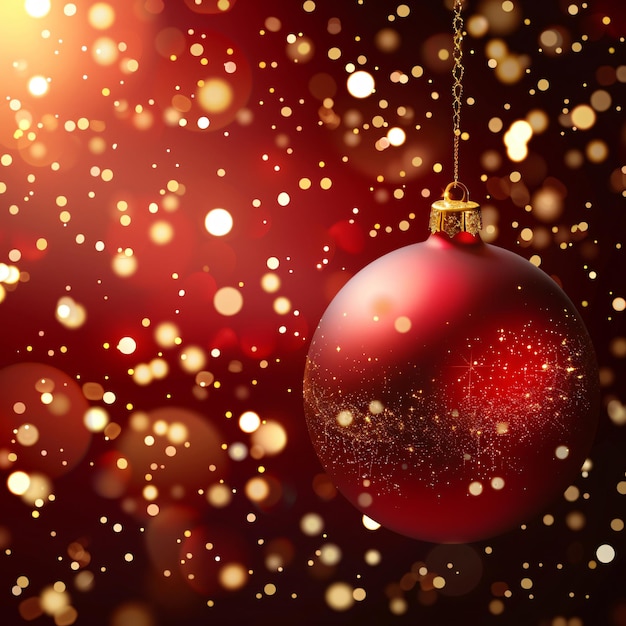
x=457 y=86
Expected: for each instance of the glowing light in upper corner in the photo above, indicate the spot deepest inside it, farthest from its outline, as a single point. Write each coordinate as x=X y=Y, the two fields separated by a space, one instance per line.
x=516 y=139
x=37 y=8
x=361 y=84
x=218 y=222
x=38 y=86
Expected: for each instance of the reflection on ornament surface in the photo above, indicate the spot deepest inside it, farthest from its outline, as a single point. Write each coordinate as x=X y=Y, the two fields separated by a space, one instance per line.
x=451 y=390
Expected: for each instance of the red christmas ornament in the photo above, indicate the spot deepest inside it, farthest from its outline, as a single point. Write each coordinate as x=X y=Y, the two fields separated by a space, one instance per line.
x=451 y=388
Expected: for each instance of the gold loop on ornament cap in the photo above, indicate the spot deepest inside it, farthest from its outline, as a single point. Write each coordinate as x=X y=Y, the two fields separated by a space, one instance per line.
x=455 y=216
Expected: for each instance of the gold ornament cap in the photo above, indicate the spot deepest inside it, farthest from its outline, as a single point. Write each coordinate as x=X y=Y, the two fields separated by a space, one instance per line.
x=455 y=216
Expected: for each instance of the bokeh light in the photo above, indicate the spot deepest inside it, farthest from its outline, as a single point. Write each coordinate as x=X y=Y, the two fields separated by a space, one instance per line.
x=127 y=345
x=38 y=86
x=101 y=15
x=249 y=421
x=18 y=483
x=215 y=95
x=37 y=8
x=360 y=84
x=228 y=301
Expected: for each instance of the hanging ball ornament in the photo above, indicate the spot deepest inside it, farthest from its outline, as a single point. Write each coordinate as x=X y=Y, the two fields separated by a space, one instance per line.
x=451 y=388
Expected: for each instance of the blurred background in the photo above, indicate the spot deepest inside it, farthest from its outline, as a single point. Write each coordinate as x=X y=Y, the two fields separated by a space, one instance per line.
x=184 y=186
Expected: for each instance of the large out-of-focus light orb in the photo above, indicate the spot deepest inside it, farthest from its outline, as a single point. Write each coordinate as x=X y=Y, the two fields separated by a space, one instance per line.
x=37 y=8
x=218 y=222
x=361 y=84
